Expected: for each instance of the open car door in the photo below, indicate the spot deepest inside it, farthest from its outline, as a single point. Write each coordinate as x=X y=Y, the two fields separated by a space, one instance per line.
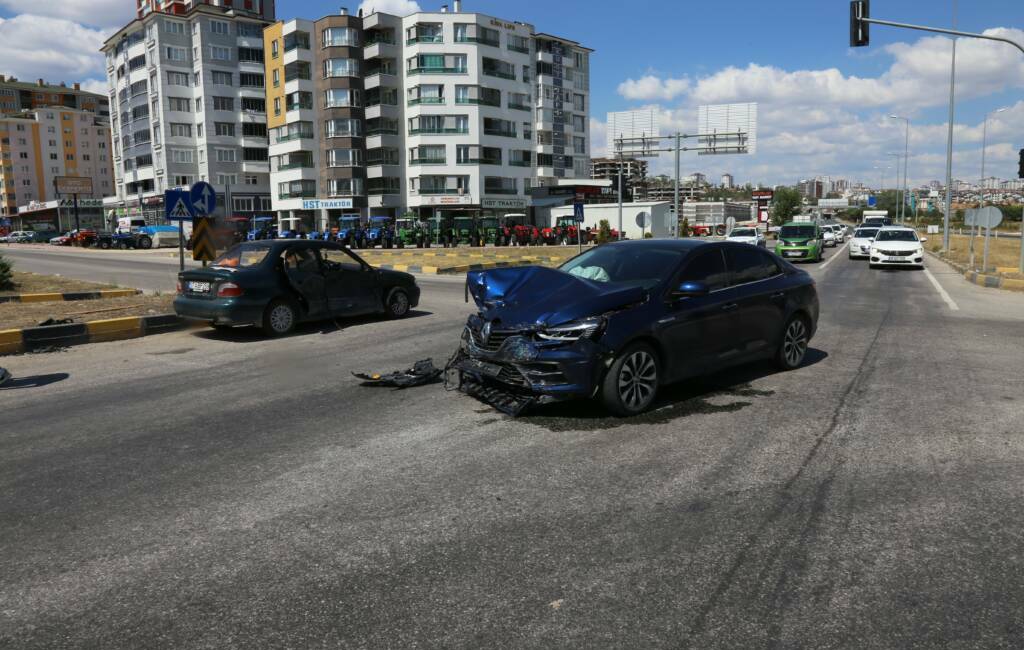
x=301 y=266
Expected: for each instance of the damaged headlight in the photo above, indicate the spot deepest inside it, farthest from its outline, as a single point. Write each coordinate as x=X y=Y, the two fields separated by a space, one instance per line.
x=586 y=328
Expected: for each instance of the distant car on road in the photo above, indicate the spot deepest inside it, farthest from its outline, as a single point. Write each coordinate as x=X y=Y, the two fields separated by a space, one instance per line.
x=747 y=236
x=19 y=237
x=800 y=241
x=828 y=236
x=275 y=284
x=623 y=319
x=61 y=240
x=897 y=246
x=860 y=244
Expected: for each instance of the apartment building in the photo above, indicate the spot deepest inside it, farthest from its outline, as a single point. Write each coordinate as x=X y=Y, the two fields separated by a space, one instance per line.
x=434 y=112
x=19 y=96
x=262 y=8
x=188 y=92
x=37 y=146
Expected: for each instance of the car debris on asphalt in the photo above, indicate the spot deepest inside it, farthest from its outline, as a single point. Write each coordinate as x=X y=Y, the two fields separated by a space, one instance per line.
x=422 y=372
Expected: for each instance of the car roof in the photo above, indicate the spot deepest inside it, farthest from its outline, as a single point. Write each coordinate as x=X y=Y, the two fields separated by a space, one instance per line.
x=679 y=244
x=801 y=223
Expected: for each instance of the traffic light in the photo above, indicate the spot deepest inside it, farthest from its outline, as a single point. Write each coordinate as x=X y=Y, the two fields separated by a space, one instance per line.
x=1020 y=165
x=859 y=10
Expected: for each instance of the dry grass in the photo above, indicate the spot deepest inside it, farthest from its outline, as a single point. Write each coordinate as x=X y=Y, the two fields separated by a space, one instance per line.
x=36 y=283
x=14 y=315
x=1002 y=252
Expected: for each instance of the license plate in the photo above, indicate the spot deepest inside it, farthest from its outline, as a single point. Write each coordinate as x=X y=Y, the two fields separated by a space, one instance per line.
x=199 y=287
x=792 y=253
x=489 y=369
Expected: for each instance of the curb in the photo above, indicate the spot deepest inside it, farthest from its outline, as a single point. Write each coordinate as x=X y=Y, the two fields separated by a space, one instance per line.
x=29 y=339
x=983 y=279
x=453 y=270
x=74 y=295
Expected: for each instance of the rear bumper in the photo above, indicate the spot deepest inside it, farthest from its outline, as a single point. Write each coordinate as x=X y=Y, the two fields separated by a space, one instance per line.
x=222 y=311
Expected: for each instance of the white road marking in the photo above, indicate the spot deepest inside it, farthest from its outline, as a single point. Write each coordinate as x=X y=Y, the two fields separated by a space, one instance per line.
x=942 y=292
x=834 y=256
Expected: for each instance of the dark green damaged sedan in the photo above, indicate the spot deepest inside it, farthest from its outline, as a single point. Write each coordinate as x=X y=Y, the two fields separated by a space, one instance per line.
x=279 y=283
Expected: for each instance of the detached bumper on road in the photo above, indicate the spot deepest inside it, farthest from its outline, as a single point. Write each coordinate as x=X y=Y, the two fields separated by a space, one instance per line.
x=220 y=311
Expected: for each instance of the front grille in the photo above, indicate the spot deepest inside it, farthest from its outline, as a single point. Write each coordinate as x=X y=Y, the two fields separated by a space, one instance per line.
x=509 y=375
x=493 y=342
x=894 y=253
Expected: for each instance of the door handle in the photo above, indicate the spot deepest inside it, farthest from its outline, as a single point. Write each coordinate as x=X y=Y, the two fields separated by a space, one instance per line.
x=731 y=306
x=780 y=294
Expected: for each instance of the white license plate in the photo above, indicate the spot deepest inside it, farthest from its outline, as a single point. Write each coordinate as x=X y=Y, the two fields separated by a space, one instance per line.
x=199 y=287
x=793 y=253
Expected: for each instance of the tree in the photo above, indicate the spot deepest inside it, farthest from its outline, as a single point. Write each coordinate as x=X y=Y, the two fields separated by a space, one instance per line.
x=6 y=275
x=785 y=204
x=684 y=227
x=604 y=232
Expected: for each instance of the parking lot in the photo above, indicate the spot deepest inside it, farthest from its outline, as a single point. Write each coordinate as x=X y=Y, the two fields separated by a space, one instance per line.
x=250 y=492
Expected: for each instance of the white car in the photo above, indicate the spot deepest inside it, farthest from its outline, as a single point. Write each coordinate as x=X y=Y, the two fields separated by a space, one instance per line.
x=897 y=246
x=829 y=236
x=860 y=244
x=747 y=236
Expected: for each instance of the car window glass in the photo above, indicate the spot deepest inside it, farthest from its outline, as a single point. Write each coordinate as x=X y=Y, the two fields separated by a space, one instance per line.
x=300 y=259
x=241 y=257
x=709 y=268
x=336 y=259
x=748 y=264
x=896 y=235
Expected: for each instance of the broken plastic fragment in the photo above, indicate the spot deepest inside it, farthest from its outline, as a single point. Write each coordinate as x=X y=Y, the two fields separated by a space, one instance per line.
x=422 y=372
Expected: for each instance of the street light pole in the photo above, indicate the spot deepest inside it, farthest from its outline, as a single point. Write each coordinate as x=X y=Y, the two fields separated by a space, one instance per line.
x=906 y=163
x=981 y=202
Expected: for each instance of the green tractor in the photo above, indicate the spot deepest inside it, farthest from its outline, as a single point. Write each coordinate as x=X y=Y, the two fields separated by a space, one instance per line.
x=465 y=230
x=488 y=231
x=412 y=233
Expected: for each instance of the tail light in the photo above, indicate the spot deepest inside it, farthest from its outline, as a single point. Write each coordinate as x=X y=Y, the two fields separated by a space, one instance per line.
x=181 y=288
x=229 y=290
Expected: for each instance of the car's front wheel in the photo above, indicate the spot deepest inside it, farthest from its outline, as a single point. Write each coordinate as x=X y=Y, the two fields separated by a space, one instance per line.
x=398 y=304
x=145 y=243
x=279 y=318
x=631 y=382
x=793 y=348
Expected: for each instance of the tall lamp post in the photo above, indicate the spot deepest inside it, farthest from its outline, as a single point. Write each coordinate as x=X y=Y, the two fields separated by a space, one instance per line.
x=896 y=184
x=981 y=202
x=906 y=163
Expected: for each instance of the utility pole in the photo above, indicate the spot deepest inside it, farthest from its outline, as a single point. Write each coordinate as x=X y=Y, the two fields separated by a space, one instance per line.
x=620 y=191
x=676 y=190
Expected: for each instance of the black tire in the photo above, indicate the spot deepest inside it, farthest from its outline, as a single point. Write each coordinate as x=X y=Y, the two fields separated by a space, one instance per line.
x=279 y=317
x=631 y=383
x=104 y=245
x=145 y=242
x=122 y=246
x=793 y=347
x=398 y=304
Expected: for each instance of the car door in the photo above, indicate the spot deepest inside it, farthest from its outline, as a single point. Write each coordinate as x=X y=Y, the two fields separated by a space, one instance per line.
x=304 y=273
x=696 y=330
x=352 y=286
x=754 y=276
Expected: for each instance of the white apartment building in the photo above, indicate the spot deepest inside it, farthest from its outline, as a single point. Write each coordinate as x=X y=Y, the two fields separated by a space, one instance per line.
x=435 y=112
x=188 y=104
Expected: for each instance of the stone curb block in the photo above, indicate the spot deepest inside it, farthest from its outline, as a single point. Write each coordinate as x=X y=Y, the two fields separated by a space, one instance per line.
x=983 y=279
x=113 y=329
x=73 y=295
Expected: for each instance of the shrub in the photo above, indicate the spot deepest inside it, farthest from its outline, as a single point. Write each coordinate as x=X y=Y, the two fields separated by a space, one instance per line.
x=604 y=232
x=684 y=228
x=6 y=275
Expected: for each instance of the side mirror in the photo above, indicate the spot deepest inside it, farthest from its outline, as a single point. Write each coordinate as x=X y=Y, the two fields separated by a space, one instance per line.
x=924 y=239
x=691 y=290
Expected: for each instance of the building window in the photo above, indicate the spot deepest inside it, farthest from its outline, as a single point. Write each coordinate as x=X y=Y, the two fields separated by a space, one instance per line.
x=218 y=53
x=296 y=40
x=343 y=128
x=181 y=156
x=222 y=78
x=250 y=80
x=274 y=49
x=173 y=27
x=345 y=187
x=219 y=27
x=255 y=154
x=340 y=37
x=175 y=53
x=225 y=155
x=179 y=104
x=254 y=130
x=181 y=130
x=222 y=104
x=341 y=98
x=177 y=78
x=250 y=55
x=341 y=68
x=224 y=129
x=251 y=179
x=254 y=105
x=344 y=157
x=227 y=179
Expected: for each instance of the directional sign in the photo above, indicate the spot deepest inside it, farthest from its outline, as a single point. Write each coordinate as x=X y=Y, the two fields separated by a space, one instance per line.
x=577 y=212
x=202 y=239
x=872 y=200
x=988 y=217
x=177 y=205
x=643 y=220
x=204 y=199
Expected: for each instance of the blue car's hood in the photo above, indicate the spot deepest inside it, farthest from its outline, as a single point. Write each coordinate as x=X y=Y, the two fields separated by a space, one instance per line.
x=535 y=295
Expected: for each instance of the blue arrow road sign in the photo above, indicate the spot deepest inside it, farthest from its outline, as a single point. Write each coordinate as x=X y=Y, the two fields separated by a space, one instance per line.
x=177 y=205
x=204 y=199
x=577 y=211
x=872 y=200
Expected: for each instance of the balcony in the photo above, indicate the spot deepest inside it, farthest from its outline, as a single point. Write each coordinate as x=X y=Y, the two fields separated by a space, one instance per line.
x=521 y=50
x=292 y=136
x=435 y=191
x=458 y=70
x=478 y=40
x=426 y=38
x=500 y=190
x=480 y=161
x=520 y=163
x=478 y=101
x=504 y=133
x=499 y=74
x=427 y=161
x=295 y=165
x=425 y=100
x=382 y=130
x=304 y=194
x=299 y=106
x=520 y=107
x=429 y=131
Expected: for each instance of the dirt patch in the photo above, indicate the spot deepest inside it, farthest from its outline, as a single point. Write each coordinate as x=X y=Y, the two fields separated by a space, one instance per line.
x=37 y=283
x=14 y=315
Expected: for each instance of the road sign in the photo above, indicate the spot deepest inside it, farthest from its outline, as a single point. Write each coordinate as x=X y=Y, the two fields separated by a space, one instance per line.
x=643 y=220
x=73 y=184
x=872 y=200
x=989 y=217
x=730 y=223
x=177 y=205
x=577 y=212
x=202 y=239
x=204 y=199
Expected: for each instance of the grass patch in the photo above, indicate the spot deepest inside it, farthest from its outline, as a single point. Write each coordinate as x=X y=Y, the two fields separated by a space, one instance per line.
x=36 y=283
x=1002 y=252
x=15 y=315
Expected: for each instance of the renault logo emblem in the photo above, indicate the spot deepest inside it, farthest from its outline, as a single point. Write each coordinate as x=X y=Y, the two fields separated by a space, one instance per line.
x=485 y=331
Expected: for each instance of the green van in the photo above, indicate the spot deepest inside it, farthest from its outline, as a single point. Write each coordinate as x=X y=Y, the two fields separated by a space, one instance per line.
x=800 y=240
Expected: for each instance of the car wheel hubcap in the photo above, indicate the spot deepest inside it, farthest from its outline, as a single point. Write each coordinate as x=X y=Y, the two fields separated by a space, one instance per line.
x=638 y=380
x=399 y=303
x=281 y=318
x=795 y=344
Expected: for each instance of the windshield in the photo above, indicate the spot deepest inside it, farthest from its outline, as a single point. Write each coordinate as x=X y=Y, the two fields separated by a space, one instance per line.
x=896 y=235
x=865 y=233
x=797 y=232
x=744 y=232
x=242 y=256
x=645 y=266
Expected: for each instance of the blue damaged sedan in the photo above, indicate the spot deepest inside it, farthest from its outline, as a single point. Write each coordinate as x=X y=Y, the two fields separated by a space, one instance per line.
x=621 y=320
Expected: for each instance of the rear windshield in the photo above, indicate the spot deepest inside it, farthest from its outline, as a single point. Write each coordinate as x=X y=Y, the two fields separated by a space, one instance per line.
x=896 y=235
x=242 y=256
x=744 y=232
x=797 y=232
x=865 y=233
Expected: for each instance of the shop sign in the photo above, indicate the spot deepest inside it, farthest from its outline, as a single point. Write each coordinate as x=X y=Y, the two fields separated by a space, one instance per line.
x=447 y=199
x=326 y=204
x=503 y=203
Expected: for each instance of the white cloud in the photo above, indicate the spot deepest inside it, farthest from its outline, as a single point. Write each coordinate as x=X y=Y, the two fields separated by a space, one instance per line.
x=109 y=14
x=395 y=7
x=650 y=87
x=95 y=86
x=54 y=49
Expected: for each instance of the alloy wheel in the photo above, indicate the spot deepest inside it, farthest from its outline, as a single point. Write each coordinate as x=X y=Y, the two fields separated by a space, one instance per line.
x=638 y=379
x=399 y=303
x=795 y=344
x=281 y=318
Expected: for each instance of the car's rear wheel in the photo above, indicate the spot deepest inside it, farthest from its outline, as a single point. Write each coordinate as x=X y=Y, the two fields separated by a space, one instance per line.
x=279 y=318
x=793 y=348
x=145 y=243
x=398 y=304
x=631 y=382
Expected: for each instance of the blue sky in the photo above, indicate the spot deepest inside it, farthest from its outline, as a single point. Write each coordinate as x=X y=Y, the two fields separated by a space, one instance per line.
x=822 y=105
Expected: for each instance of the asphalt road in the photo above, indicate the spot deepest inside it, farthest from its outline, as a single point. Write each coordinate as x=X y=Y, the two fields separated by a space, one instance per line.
x=203 y=489
x=152 y=270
